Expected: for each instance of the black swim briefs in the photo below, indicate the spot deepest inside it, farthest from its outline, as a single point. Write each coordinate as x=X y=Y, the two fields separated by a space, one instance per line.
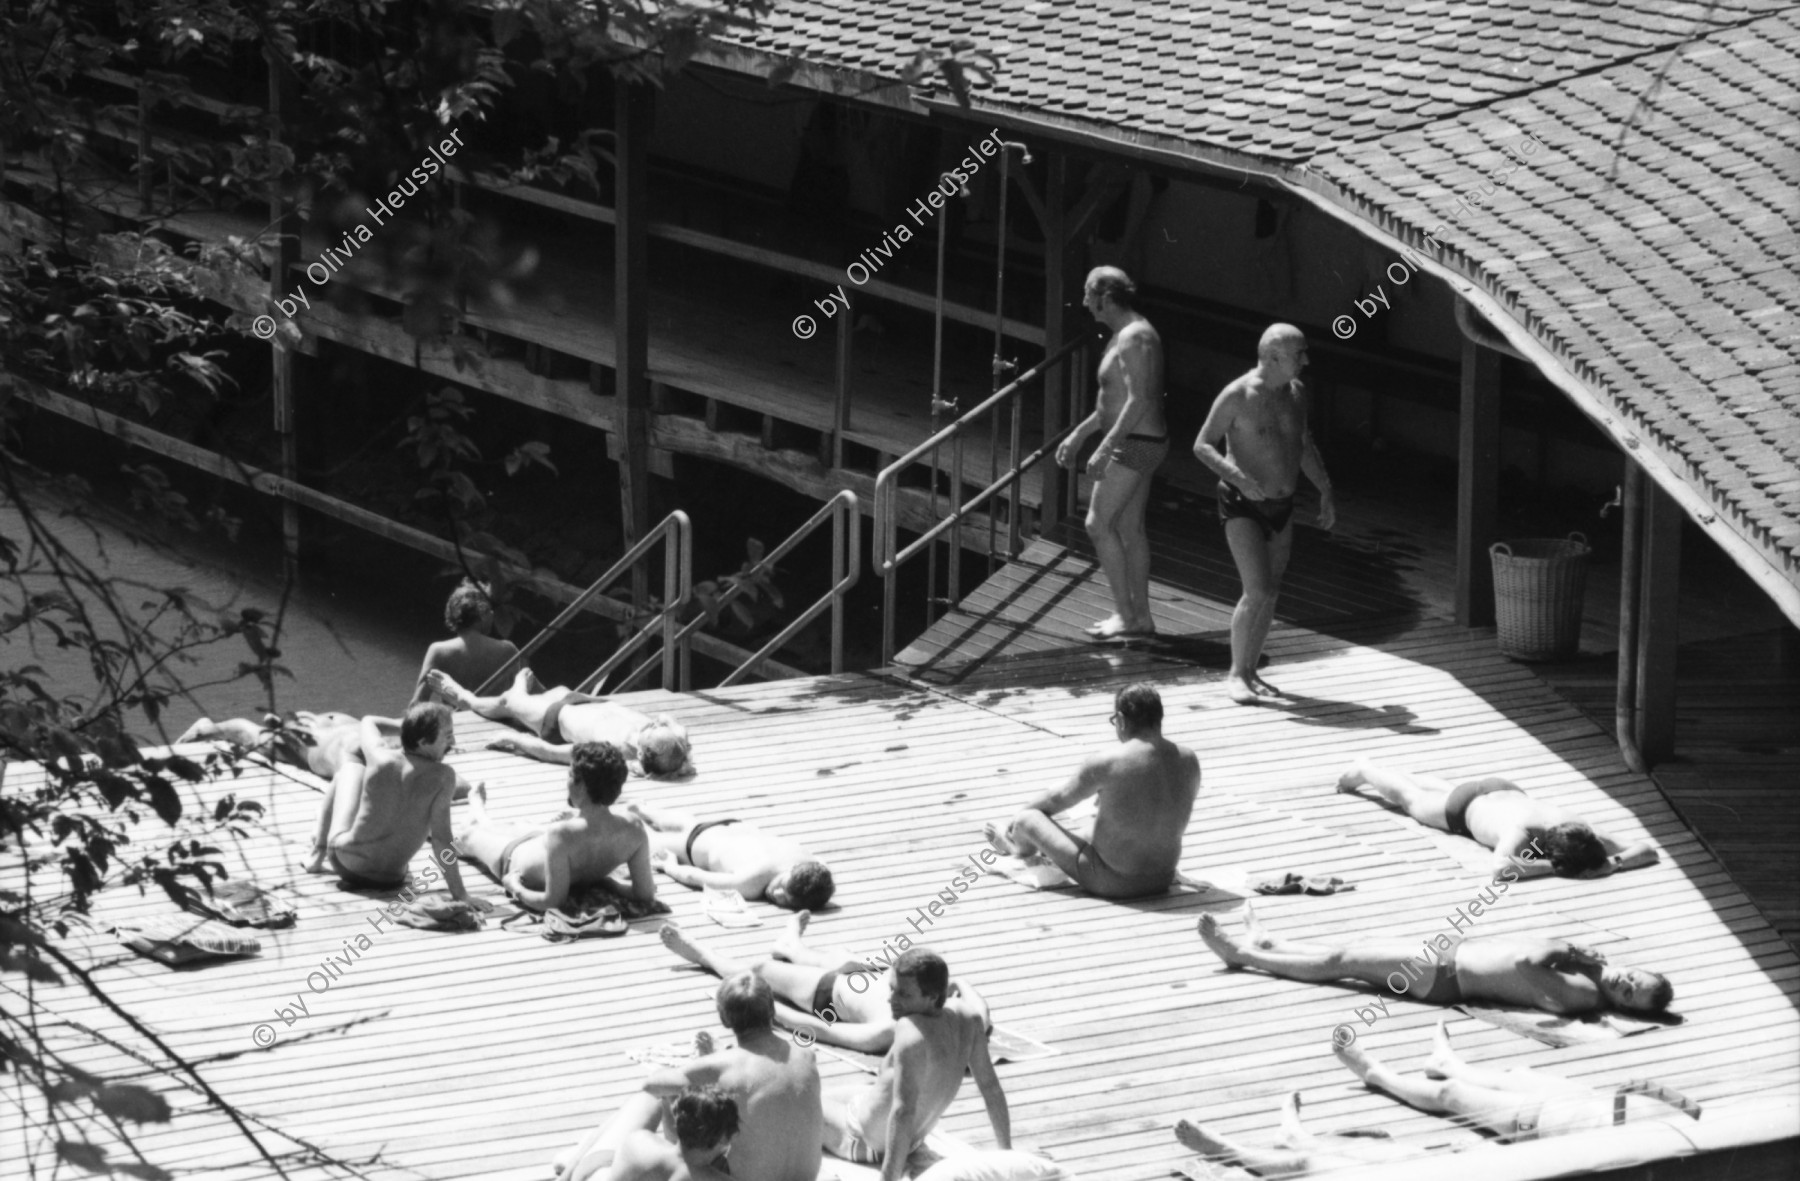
x=1272 y=513
x=1456 y=804
x=551 y=730
x=694 y=834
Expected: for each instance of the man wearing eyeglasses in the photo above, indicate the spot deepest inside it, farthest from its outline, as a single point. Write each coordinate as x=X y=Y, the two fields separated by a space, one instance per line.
x=1146 y=788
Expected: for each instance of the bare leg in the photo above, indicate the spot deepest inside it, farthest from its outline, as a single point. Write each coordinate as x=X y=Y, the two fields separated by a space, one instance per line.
x=1421 y=797
x=1501 y=1111
x=1033 y=832
x=499 y=709
x=1137 y=558
x=1371 y=963
x=1444 y=1063
x=668 y=830
x=1281 y=548
x=1251 y=551
x=237 y=731
x=1267 y=1161
x=1112 y=495
x=337 y=812
x=695 y=952
x=641 y=1113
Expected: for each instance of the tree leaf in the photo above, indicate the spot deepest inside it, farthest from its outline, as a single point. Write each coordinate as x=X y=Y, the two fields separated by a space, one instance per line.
x=82 y=1155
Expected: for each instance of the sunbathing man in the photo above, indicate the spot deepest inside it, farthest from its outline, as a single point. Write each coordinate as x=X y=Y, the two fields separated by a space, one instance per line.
x=936 y=1039
x=704 y=1119
x=1516 y=1104
x=734 y=855
x=541 y=867
x=829 y=997
x=1548 y=974
x=1298 y=1151
x=1146 y=787
x=1499 y=814
x=561 y=717
x=1128 y=415
x=383 y=804
x=1261 y=418
x=471 y=655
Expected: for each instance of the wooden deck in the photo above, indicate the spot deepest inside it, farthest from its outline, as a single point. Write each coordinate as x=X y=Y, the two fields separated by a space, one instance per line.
x=480 y=1055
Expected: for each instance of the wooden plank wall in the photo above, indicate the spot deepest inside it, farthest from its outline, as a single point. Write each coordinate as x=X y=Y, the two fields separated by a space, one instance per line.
x=480 y=1055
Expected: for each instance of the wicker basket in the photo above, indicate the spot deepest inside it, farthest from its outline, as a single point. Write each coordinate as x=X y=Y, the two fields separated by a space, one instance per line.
x=1539 y=583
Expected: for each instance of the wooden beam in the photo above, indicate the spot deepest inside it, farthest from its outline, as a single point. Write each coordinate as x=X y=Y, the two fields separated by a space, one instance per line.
x=1477 y=484
x=631 y=305
x=1057 y=258
x=1658 y=625
x=286 y=220
x=270 y=484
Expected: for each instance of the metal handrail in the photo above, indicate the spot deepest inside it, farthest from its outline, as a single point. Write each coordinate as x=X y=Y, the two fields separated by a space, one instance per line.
x=846 y=569
x=886 y=561
x=678 y=578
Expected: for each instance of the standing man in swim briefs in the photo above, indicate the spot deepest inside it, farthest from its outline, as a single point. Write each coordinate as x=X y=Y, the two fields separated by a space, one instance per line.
x=1262 y=419
x=1146 y=786
x=1128 y=413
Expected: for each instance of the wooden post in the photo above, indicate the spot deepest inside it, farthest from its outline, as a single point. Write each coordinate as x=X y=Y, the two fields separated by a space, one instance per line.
x=1056 y=288
x=631 y=317
x=1658 y=630
x=846 y=330
x=1477 y=484
x=281 y=273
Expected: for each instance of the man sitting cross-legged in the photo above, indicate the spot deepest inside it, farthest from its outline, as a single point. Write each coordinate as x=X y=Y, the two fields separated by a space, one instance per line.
x=383 y=804
x=561 y=717
x=735 y=855
x=1515 y=1104
x=1499 y=814
x=1547 y=974
x=540 y=867
x=1146 y=787
x=825 y=996
x=704 y=1121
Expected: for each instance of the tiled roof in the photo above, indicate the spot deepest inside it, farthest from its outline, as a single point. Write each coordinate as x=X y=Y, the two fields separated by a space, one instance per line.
x=1651 y=249
x=1656 y=265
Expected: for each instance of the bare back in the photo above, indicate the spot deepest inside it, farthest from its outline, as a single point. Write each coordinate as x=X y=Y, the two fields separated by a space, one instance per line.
x=400 y=795
x=1264 y=429
x=743 y=848
x=1146 y=799
x=940 y=1047
x=1506 y=821
x=580 y=851
x=780 y=1120
x=469 y=659
x=1135 y=354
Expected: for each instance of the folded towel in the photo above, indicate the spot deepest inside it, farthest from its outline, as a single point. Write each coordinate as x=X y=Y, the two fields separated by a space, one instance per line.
x=178 y=940
x=242 y=904
x=728 y=908
x=611 y=891
x=1295 y=883
x=438 y=911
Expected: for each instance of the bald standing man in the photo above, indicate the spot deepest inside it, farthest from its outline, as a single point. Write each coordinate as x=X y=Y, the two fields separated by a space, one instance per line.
x=1261 y=418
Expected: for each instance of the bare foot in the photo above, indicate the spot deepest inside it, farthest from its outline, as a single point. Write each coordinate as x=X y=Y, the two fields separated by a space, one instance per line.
x=998 y=839
x=1264 y=689
x=1254 y=931
x=1111 y=626
x=792 y=939
x=1240 y=690
x=703 y=1044
x=1443 y=1059
x=529 y=680
x=201 y=731
x=1222 y=945
x=445 y=686
x=1353 y=1057
x=478 y=801
x=1352 y=779
x=678 y=943
x=1194 y=1139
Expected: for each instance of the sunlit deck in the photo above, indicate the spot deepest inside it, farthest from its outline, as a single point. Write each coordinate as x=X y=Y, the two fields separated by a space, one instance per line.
x=481 y=1055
